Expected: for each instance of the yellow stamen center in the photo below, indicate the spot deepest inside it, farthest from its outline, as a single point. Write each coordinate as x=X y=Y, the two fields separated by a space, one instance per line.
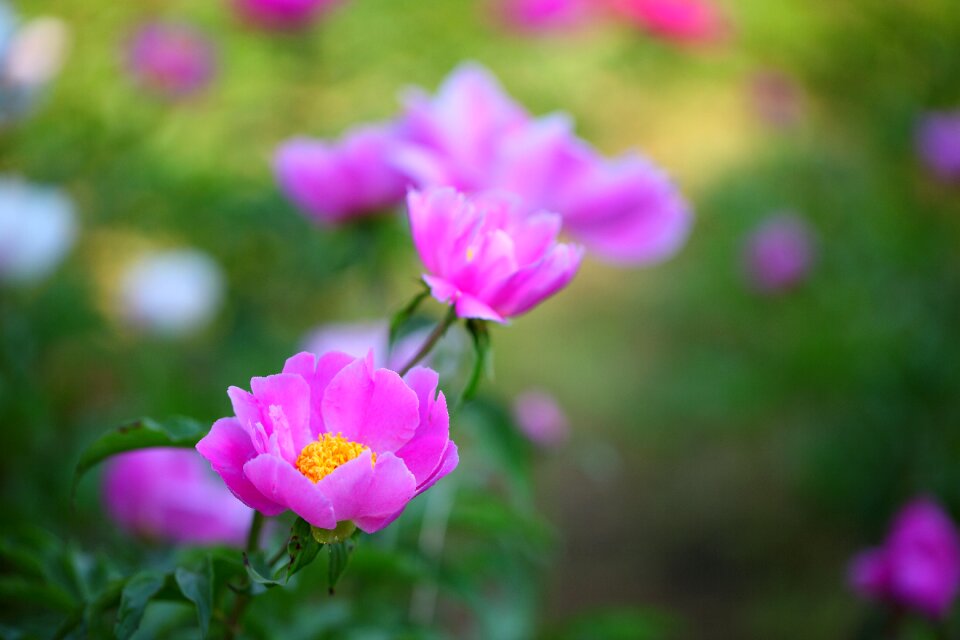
x=319 y=459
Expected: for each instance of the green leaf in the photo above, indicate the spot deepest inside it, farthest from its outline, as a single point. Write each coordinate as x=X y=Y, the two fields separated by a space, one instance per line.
x=140 y=434
x=260 y=572
x=480 y=336
x=197 y=587
x=133 y=601
x=14 y=589
x=302 y=547
x=339 y=558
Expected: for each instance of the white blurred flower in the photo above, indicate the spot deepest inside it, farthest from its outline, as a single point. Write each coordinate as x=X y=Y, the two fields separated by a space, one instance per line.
x=171 y=293
x=30 y=56
x=37 y=228
x=37 y=52
x=357 y=338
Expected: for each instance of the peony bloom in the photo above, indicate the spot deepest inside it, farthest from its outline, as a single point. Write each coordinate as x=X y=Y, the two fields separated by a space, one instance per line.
x=543 y=15
x=779 y=254
x=473 y=137
x=333 y=183
x=170 y=494
x=938 y=143
x=37 y=228
x=334 y=440
x=680 y=20
x=487 y=257
x=283 y=14
x=455 y=138
x=171 y=59
x=172 y=292
x=541 y=419
x=917 y=567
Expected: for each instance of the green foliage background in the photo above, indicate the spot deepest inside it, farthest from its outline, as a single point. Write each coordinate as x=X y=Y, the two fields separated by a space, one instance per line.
x=730 y=452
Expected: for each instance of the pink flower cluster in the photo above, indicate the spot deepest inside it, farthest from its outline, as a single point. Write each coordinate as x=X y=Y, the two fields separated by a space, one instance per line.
x=473 y=137
x=918 y=566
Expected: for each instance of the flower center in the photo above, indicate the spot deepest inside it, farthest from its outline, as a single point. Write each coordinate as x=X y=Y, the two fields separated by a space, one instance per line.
x=319 y=459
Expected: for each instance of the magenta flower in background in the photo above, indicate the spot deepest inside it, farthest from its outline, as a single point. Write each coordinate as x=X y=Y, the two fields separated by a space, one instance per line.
x=541 y=419
x=780 y=253
x=690 y=21
x=170 y=495
x=283 y=14
x=543 y=15
x=917 y=567
x=938 y=143
x=335 y=182
x=485 y=255
x=171 y=59
x=455 y=138
x=334 y=440
x=473 y=137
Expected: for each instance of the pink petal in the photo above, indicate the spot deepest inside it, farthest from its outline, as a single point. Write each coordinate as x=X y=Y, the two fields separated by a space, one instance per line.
x=389 y=492
x=370 y=406
x=285 y=402
x=281 y=482
x=423 y=453
x=449 y=462
x=228 y=448
x=318 y=372
x=347 y=486
x=533 y=284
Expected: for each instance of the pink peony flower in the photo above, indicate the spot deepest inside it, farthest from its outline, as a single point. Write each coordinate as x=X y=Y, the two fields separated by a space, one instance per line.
x=333 y=183
x=938 y=143
x=334 y=440
x=486 y=256
x=473 y=137
x=169 y=494
x=283 y=14
x=680 y=20
x=543 y=15
x=455 y=138
x=780 y=253
x=171 y=59
x=918 y=565
x=541 y=418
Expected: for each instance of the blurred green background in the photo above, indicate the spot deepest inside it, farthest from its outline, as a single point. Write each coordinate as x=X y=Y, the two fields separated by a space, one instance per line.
x=730 y=451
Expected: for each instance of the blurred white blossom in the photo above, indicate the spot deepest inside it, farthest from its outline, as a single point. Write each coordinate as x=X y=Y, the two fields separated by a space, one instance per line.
x=37 y=228
x=172 y=292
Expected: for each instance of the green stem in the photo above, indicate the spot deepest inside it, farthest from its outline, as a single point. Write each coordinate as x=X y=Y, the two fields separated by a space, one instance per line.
x=243 y=598
x=431 y=340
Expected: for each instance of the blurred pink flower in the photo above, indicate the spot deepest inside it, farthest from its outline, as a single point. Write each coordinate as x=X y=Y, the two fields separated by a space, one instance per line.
x=780 y=253
x=693 y=21
x=473 y=137
x=543 y=15
x=169 y=494
x=359 y=338
x=938 y=143
x=918 y=565
x=541 y=418
x=283 y=14
x=336 y=182
x=487 y=257
x=334 y=440
x=171 y=59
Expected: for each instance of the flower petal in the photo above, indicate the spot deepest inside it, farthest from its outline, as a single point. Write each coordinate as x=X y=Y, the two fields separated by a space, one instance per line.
x=370 y=406
x=389 y=492
x=423 y=453
x=282 y=483
x=285 y=403
x=318 y=372
x=228 y=448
